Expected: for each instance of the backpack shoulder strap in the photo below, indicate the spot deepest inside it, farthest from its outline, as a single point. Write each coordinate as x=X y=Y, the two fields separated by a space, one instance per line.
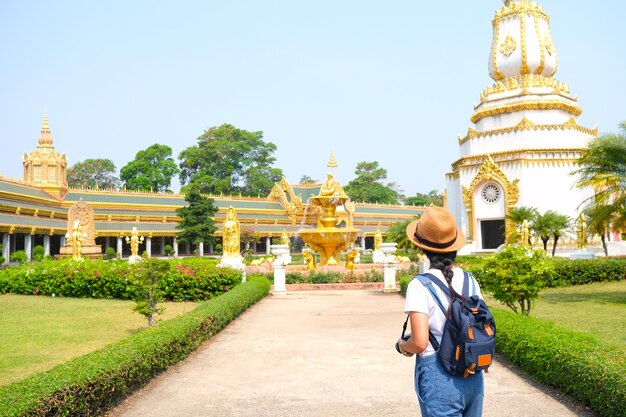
x=466 y=280
x=427 y=282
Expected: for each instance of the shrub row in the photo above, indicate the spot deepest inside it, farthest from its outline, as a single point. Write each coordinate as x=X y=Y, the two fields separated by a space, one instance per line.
x=566 y=271
x=332 y=277
x=190 y=279
x=578 y=365
x=91 y=384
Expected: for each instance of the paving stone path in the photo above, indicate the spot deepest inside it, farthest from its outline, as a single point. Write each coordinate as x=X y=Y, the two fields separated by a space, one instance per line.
x=317 y=353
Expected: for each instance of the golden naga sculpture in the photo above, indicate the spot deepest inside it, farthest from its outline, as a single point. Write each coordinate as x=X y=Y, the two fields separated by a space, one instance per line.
x=310 y=260
x=350 y=259
x=134 y=240
x=378 y=238
x=76 y=236
x=231 y=234
x=284 y=238
x=581 y=232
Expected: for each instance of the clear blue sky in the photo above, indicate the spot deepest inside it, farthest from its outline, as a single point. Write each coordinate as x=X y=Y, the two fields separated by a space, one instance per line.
x=392 y=82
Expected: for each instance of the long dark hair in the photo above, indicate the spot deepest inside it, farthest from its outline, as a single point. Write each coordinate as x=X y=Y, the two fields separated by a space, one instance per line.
x=444 y=262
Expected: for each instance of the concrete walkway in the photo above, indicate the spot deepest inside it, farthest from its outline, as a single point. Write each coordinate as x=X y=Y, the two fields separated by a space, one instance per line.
x=324 y=353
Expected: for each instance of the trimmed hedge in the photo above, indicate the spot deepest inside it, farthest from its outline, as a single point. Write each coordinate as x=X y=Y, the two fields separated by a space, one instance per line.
x=190 y=279
x=92 y=384
x=578 y=365
x=567 y=271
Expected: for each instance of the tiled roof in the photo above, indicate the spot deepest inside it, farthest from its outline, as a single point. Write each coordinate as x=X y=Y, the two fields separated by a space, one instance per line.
x=50 y=207
x=11 y=187
x=141 y=226
x=30 y=221
x=124 y=198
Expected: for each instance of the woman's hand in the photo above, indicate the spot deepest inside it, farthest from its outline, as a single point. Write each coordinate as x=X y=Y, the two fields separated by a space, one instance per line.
x=399 y=344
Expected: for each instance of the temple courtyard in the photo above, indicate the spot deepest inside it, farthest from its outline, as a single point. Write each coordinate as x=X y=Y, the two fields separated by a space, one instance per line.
x=319 y=353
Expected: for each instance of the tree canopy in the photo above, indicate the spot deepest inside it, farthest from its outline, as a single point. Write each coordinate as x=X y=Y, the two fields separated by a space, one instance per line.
x=196 y=223
x=93 y=173
x=228 y=160
x=434 y=197
x=151 y=170
x=368 y=185
x=305 y=179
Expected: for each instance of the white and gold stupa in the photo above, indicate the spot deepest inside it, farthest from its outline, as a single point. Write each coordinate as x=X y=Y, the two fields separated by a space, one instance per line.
x=525 y=138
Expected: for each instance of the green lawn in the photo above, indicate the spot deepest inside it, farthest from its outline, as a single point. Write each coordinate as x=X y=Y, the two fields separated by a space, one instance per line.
x=597 y=309
x=38 y=333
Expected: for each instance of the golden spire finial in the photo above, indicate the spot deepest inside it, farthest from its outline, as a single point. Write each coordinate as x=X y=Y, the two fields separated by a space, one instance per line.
x=332 y=162
x=45 y=139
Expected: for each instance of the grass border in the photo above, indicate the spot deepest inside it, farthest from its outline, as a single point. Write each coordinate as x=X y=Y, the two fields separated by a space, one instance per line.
x=93 y=383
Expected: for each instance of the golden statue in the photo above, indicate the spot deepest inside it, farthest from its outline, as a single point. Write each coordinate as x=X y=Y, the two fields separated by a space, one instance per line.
x=525 y=233
x=350 y=258
x=231 y=234
x=330 y=186
x=76 y=236
x=134 y=240
x=378 y=238
x=581 y=232
x=310 y=260
x=284 y=238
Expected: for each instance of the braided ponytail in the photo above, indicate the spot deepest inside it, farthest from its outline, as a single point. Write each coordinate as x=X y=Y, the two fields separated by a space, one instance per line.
x=444 y=262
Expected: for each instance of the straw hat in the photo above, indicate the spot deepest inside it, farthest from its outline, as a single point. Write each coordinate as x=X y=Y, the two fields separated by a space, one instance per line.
x=436 y=231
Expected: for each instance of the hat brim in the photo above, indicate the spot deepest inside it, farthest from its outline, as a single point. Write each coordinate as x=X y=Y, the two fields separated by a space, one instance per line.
x=458 y=243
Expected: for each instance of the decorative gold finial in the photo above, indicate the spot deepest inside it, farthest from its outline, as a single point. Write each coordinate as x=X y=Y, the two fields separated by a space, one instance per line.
x=332 y=162
x=45 y=139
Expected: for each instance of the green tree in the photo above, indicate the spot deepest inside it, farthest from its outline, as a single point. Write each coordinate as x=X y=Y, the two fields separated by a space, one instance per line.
x=434 y=197
x=368 y=185
x=146 y=277
x=515 y=275
x=517 y=215
x=228 y=160
x=397 y=233
x=196 y=223
x=151 y=170
x=560 y=223
x=93 y=173
x=305 y=179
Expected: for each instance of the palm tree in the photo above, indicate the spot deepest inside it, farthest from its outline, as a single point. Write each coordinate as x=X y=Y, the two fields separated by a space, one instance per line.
x=542 y=226
x=517 y=215
x=603 y=167
x=560 y=222
x=549 y=224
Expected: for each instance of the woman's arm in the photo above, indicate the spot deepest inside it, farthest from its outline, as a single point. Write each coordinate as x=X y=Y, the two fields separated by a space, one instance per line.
x=418 y=342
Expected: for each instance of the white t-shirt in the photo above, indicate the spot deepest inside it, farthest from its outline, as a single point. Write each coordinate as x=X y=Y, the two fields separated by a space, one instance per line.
x=419 y=299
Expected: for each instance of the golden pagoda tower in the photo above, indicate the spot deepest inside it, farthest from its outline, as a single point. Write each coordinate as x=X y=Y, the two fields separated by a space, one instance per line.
x=45 y=167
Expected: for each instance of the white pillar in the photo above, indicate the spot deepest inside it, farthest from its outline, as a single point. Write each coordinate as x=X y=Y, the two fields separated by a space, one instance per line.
x=120 y=247
x=188 y=247
x=390 y=276
x=175 y=248
x=107 y=243
x=279 y=277
x=46 y=245
x=6 y=247
x=28 y=247
x=149 y=246
x=201 y=249
x=63 y=241
x=211 y=250
x=268 y=243
x=363 y=242
x=162 y=245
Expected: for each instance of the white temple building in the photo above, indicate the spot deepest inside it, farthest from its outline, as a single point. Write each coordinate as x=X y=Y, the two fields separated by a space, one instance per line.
x=525 y=137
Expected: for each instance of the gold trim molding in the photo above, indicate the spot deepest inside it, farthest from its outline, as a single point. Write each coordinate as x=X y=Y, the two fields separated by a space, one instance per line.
x=511 y=10
x=525 y=81
x=573 y=109
x=529 y=156
x=489 y=171
x=526 y=125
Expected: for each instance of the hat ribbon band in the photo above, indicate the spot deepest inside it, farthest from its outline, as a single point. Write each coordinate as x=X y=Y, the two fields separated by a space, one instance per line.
x=433 y=244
